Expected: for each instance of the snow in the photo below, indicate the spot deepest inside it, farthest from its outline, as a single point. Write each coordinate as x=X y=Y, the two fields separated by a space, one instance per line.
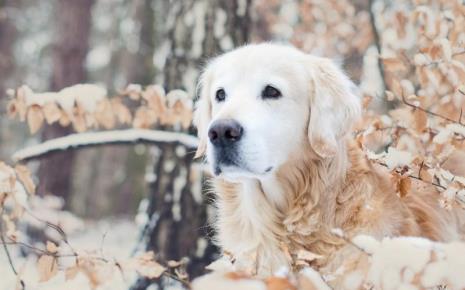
x=367 y=243
x=105 y=137
x=87 y=95
x=393 y=158
x=447 y=132
x=315 y=278
x=404 y=262
x=338 y=232
x=219 y=281
x=353 y=280
x=115 y=237
x=223 y=265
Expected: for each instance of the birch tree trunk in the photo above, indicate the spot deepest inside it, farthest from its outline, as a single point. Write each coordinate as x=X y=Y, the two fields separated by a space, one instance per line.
x=195 y=30
x=70 y=49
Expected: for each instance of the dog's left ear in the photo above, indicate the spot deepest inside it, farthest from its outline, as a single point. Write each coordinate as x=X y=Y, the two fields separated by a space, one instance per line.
x=334 y=105
x=202 y=112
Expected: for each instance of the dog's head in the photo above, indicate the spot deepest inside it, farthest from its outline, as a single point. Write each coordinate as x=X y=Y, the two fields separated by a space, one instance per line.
x=260 y=103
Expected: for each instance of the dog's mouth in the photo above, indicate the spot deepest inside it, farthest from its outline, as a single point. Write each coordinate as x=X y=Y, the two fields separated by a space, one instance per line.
x=229 y=163
x=233 y=168
x=225 y=165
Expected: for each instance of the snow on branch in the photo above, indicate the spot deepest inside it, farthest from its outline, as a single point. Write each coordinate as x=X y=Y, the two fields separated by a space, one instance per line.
x=87 y=106
x=74 y=141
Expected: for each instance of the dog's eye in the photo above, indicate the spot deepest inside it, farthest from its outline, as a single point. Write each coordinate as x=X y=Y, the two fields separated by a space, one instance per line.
x=220 y=95
x=270 y=92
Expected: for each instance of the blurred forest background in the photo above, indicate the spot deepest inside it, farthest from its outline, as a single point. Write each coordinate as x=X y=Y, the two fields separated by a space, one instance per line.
x=49 y=45
x=151 y=191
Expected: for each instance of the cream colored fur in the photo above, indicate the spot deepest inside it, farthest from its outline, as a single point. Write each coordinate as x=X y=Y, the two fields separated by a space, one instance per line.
x=320 y=179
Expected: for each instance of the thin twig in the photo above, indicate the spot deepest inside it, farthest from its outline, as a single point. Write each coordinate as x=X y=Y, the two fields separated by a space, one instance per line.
x=175 y=277
x=415 y=177
x=8 y=255
x=7 y=252
x=421 y=168
x=349 y=241
x=429 y=112
x=442 y=60
x=76 y=255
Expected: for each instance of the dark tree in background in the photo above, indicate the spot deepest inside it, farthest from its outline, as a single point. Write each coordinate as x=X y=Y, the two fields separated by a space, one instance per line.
x=178 y=226
x=73 y=21
x=116 y=183
x=7 y=38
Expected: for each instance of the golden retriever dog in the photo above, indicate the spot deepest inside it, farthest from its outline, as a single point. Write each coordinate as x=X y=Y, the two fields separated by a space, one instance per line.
x=275 y=125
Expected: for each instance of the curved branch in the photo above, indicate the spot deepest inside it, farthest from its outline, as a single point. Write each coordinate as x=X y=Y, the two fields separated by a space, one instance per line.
x=129 y=136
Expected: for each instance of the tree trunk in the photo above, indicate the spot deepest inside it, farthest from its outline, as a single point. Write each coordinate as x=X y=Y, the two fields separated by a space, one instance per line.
x=8 y=34
x=106 y=193
x=178 y=225
x=70 y=49
x=7 y=39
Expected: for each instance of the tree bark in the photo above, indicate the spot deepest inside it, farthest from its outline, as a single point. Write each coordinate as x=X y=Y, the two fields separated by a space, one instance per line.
x=70 y=49
x=7 y=38
x=118 y=195
x=178 y=225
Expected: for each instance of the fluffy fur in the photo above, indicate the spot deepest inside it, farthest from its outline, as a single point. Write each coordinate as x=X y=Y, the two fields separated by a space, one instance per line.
x=320 y=179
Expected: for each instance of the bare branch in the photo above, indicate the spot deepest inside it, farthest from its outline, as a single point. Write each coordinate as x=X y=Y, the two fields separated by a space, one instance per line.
x=430 y=112
x=8 y=255
x=129 y=136
x=414 y=176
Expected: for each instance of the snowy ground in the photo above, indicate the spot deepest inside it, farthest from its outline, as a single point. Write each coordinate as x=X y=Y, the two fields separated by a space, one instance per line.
x=115 y=237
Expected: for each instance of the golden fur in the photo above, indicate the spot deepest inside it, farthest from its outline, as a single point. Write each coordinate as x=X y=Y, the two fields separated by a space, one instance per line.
x=362 y=200
x=326 y=183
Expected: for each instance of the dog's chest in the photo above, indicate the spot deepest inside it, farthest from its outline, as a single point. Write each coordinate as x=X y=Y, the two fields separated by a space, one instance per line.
x=250 y=227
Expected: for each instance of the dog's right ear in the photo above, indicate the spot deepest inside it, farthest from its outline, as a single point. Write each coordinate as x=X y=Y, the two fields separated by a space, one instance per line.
x=202 y=112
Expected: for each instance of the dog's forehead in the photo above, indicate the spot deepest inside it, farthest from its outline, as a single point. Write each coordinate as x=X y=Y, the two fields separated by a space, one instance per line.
x=257 y=63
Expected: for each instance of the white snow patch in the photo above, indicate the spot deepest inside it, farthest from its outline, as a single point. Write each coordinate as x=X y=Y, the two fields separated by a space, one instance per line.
x=111 y=136
x=315 y=278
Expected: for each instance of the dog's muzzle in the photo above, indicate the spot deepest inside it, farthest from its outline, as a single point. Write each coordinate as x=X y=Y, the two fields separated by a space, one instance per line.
x=225 y=135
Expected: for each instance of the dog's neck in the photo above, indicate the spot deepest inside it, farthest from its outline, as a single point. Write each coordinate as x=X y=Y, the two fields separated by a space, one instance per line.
x=274 y=191
x=305 y=174
x=295 y=205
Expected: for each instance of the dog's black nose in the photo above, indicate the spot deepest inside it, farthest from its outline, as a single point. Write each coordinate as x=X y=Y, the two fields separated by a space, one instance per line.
x=225 y=132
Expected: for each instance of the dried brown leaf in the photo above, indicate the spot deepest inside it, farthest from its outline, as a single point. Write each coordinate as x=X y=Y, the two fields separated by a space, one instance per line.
x=35 y=118
x=104 y=114
x=51 y=112
x=51 y=247
x=144 y=118
x=25 y=177
x=278 y=283
x=420 y=120
x=64 y=119
x=121 y=112
x=47 y=267
x=70 y=273
x=79 y=123
x=393 y=64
